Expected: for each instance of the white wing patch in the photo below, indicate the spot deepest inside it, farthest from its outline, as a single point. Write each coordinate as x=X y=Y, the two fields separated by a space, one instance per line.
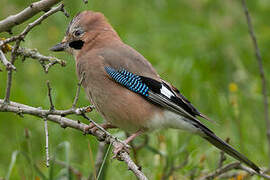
x=166 y=92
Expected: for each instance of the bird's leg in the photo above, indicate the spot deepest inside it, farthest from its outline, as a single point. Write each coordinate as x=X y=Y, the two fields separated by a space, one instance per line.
x=92 y=127
x=122 y=147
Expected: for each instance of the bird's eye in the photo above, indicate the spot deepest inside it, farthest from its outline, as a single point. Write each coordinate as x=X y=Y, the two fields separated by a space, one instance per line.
x=78 y=32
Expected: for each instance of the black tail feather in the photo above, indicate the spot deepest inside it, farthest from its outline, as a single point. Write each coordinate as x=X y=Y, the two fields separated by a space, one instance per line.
x=222 y=145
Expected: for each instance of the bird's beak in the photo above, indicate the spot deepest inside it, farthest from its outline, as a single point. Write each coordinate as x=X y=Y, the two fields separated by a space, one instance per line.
x=60 y=46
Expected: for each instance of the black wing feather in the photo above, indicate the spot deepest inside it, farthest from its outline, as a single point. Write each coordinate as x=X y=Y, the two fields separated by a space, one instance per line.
x=155 y=86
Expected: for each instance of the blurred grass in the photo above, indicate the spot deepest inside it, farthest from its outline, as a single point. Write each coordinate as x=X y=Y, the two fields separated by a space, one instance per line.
x=202 y=47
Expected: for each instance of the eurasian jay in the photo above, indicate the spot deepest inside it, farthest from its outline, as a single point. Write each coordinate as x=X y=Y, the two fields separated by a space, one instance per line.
x=124 y=87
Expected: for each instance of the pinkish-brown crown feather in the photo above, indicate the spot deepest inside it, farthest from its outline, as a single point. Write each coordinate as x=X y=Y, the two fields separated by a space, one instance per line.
x=90 y=21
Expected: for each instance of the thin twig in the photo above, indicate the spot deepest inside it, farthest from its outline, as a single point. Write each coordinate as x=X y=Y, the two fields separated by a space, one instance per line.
x=65 y=12
x=6 y=62
x=78 y=91
x=221 y=170
x=34 y=54
x=251 y=172
x=33 y=9
x=47 y=142
x=8 y=87
x=9 y=74
x=262 y=75
x=10 y=70
x=50 y=96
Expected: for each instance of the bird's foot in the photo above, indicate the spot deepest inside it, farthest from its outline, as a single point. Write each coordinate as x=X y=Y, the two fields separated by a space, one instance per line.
x=122 y=147
x=119 y=148
x=92 y=128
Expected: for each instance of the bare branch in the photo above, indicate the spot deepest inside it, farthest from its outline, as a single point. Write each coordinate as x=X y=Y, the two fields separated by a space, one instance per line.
x=132 y=166
x=34 y=54
x=221 y=170
x=50 y=96
x=27 y=13
x=47 y=142
x=9 y=78
x=65 y=12
x=6 y=62
x=8 y=87
x=260 y=63
x=78 y=91
x=65 y=122
x=252 y=172
x=32 y=25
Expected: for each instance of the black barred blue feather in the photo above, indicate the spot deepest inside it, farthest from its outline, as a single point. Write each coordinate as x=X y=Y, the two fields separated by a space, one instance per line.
x=129 y=80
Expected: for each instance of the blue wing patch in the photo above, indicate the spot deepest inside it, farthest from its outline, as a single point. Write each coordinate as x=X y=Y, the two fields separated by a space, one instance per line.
x=129 y=80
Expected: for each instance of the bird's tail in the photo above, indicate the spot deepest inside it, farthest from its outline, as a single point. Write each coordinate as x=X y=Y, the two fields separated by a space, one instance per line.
x=222 y=145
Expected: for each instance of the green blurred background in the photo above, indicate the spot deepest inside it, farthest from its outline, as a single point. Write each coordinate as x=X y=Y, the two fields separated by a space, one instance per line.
x=202 y=47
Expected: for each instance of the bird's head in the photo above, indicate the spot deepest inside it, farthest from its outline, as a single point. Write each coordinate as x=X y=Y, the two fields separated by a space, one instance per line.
x=83 y=28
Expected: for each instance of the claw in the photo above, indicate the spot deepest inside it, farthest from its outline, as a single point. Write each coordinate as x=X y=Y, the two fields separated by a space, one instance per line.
x=92 y=128
x=118 y=149
x=121 y=147
x=89 y=128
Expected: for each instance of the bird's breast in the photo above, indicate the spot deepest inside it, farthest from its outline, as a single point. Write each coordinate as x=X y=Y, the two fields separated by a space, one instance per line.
x=120 y=106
